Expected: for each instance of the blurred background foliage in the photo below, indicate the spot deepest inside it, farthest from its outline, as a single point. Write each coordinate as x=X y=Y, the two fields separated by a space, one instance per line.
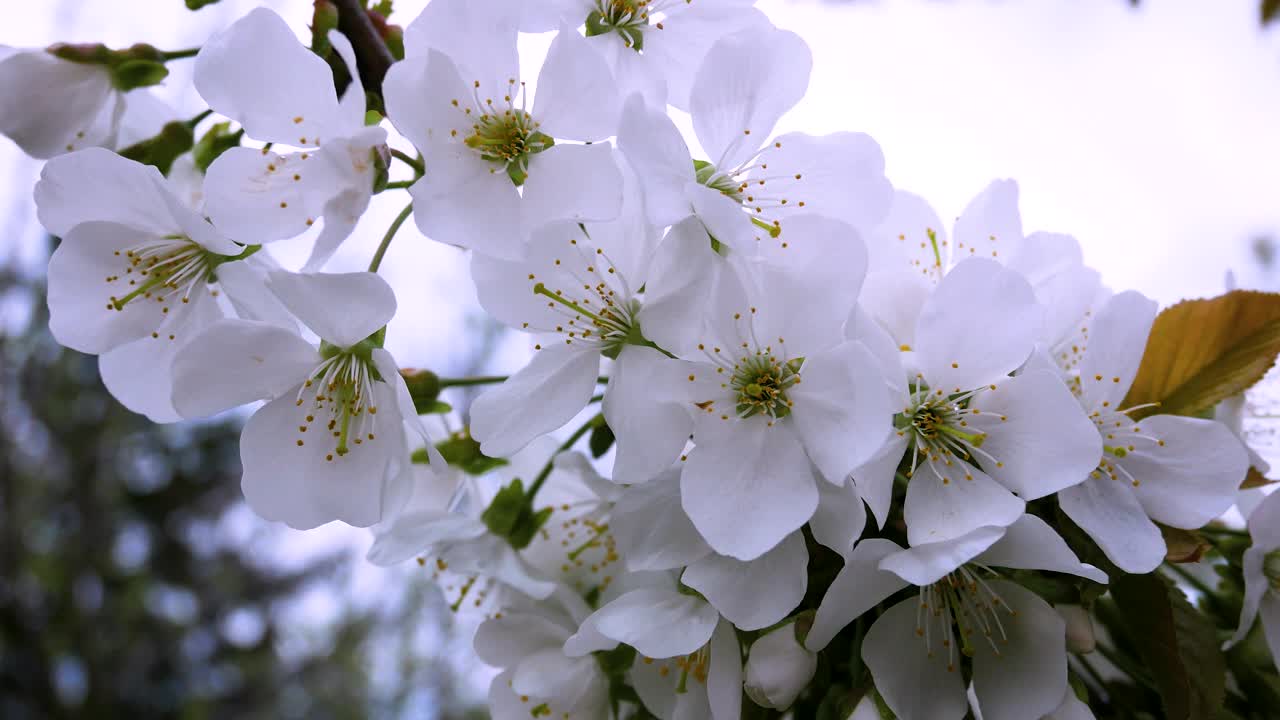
x=121 y=594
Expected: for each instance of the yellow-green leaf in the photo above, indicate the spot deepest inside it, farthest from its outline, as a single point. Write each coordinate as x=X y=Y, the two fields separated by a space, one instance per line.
x=1201 y=352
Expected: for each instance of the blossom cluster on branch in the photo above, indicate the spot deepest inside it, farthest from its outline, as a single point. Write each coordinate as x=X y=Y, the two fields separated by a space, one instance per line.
x=846 y=455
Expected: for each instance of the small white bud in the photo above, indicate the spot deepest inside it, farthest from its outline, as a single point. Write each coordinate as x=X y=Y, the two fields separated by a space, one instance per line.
x=778 y=668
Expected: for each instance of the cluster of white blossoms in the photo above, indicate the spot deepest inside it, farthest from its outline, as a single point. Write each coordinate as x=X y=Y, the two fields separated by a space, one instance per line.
x=826 y=418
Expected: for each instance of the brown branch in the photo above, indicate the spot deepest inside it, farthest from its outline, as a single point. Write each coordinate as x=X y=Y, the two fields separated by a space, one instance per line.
x=372 y=53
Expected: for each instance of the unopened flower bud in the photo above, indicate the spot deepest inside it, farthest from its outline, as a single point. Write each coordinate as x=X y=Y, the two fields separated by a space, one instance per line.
x=779 y=667
x=1080 y=636
x=424 y=388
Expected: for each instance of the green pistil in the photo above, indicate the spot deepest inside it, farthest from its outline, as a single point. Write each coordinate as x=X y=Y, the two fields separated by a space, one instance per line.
x=771 y=228
x=933 y=241
x=541 y=710
x=146 y=287
x=345 y=398
x=975 y=439
x=508 y=139
x=761 y=383
x=683 y=686
x=541 y=289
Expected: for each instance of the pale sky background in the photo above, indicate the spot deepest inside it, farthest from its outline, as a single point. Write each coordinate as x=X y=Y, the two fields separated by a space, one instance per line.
x=1151 y=134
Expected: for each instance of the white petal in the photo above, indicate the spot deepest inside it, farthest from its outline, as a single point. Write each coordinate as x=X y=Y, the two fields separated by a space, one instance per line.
x=341 y=213
x=244 y=283
x=550 y=673
x=1042 y=441
x=684 y=276
x=1270 y=614
x=757 y=593
x=299 y=485
x=258 y=74
x=915 y=684
x=926 y=564
x=749 y=488
x=1256 y=585
x=839 y=176
x=140 y=374
x=577 y=96
x=990 y=225
x=352 y=106
x=258 y=197
x=657 y=622
x=417 y=533
x=688 y=32
x=1117 y=340
x=661 y=158
x=1109 y=512
x=467 y=201
x=504 y=641
x=842 y=409
x=238 y=361
x=492 y=556
x=55 y=106
x=874 y=479
x=746 y=82
x=426 y=117
x=723 y=217
x=1193 y=477
x=342 y=308
x=87 y=273
x=779 y=668
x=840 y=517
x=1027 y=675
x=1264 y=523
x=541 y=397
x=99 y=185
x=950 y=353
x=724 y=679
x=859 y=586
x=1031 y=544
x=651 y=426
x=1071 y=708
x=1054 y=266
x=581 y=183
x=902 y=242
x=969 y=499
x=820 y=252
x=651 y=528
x=864 y=328
x=479 y=35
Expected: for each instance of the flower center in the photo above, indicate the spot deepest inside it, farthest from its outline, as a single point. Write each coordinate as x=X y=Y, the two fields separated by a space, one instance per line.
x=761 y=382
x=338 y=397
x=957 y=608
x=1121 y=435
x=748 y=186
x=628 y=18
x=946 y=432
x=501 y=132
x=162 y=270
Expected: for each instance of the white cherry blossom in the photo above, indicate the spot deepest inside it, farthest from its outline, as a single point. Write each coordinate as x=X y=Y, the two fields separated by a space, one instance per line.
x=751 y=183
x=330 y=444
x=258 y=74
x=781 y=396
x=1262 y=576
x=138 y=273
x=1179 y=471
x=978 y=442
x=962 y=608
x=54 y=106
x=654 y=47
x=495 y=171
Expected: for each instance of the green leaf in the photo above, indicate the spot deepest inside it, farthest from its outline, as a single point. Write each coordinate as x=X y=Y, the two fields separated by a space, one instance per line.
x=1176 y=643
x=463 y=452
x=504 y=512
x=197 y=4
x=601 y=440
x=1201 y=352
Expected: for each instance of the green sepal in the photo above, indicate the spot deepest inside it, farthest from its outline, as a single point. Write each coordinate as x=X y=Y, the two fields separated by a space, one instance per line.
x=381 y=170
x=323 y=19
x=437 y=408
x=601 y=440
x=197 y=4
x=174 y=139
x=517 y=172
x=133 y=74
x=463 y=452
x=215 y=141
x=424 y=388
x=511 y=516
x=616 y=662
